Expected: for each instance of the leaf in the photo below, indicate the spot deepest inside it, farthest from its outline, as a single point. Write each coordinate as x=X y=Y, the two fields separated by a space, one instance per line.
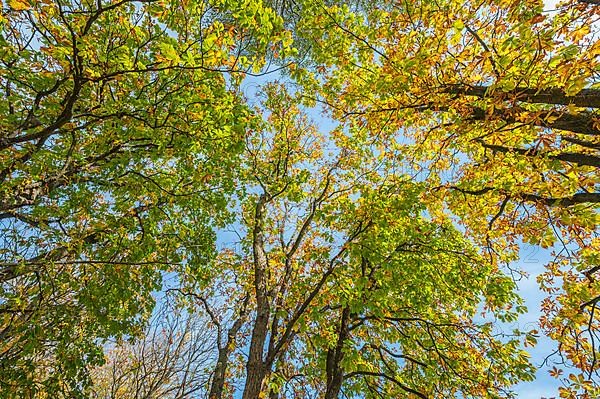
x=458 y=24
x=19 y=5
x=169 y=52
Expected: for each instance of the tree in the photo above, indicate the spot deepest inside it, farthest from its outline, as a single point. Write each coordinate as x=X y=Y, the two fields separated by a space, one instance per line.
x=172 y=359
x=497 y=103
x=120 y=128
x=341 y=283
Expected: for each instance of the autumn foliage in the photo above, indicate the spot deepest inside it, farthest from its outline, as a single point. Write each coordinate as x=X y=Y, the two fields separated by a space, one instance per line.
x=350 y=229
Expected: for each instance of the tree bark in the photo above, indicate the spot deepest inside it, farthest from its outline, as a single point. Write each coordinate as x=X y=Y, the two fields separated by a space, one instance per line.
x=581 y=123
x=588 y=98
x=256 y=369
x=335 y=373
x=579 y=159
x=218 y=382
x=577 y=198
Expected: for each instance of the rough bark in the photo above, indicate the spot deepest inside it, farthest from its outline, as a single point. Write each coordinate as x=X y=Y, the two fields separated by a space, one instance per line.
x=256 y=370
x=578 y=198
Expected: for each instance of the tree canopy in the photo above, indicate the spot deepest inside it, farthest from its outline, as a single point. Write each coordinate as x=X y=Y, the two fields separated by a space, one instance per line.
x=497 y=104
x=119 y=134
x=348 y=230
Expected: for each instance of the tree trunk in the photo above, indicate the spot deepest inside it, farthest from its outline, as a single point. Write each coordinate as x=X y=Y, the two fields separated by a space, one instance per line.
x=335 y=373
x=218 y=381
x=256 y=370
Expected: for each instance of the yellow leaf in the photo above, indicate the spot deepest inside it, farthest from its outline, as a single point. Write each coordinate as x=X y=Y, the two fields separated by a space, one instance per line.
x=575 y=86
x=458 y=24
x=580 y=33
x=19 y=5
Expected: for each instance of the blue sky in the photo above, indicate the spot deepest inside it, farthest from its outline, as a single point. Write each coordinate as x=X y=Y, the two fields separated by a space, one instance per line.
x=533 y=260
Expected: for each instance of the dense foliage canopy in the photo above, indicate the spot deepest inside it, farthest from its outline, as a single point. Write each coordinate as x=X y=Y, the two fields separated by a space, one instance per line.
x=349 y=229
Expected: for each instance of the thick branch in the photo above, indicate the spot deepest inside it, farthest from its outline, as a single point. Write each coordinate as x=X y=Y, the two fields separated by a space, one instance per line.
x=588 y=98
x=578 y=198
x=579 y=159
x=582 y=123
